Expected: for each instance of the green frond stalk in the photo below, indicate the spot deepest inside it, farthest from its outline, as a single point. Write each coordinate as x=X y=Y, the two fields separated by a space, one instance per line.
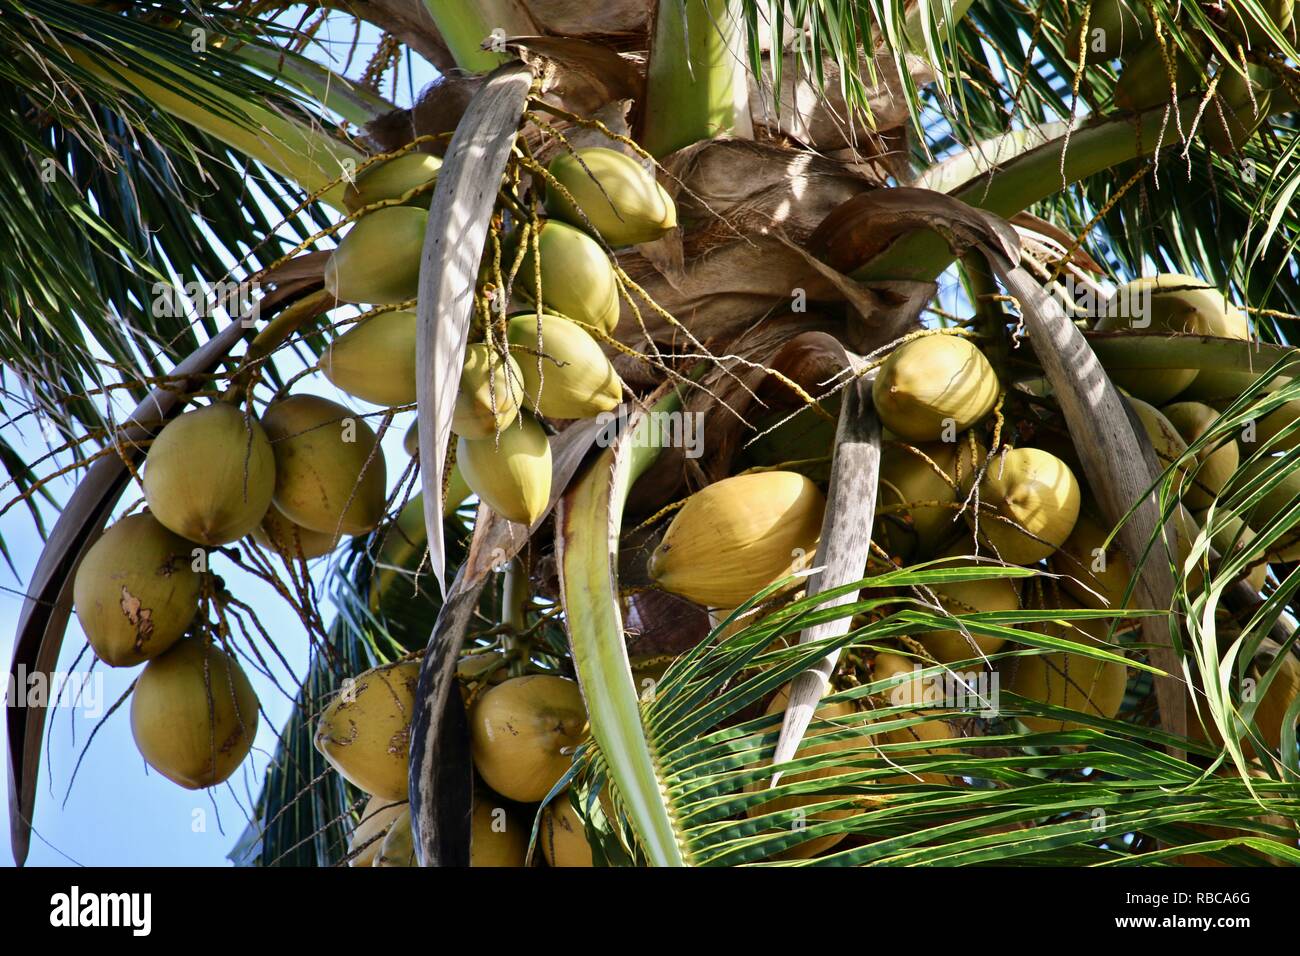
x=466 y=25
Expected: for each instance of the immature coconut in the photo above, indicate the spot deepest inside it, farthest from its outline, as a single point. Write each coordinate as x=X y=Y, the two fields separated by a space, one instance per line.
x=368 y=835
x=1269 y=430
x=330 y=474
x=739 y=535
x=1231 y=538
x=1240 y=108
x=575 y=379
x=616 y=194
x=1217 y=461
x=933 y=387
x=398 y=848
x=563 y=836
x=491 y=389
x=1068 y=680
x=365 y=731
x=1037 y=495
x=1144 y=81
x=1283 y=496
x=523 y=733
x=905 y=688
x=378 y=261
x=829 y=718
x=966 y=597
x=496 y=837
x=577 y=278
x=1170 y=303
x=511 y=474
x=393 y=179
x=210 y=474
x=1116 y=28
x=136 y=591
x=1094 y=575
x=920 y=490
x=194 y=714
x=375 y=360
x=292 y=540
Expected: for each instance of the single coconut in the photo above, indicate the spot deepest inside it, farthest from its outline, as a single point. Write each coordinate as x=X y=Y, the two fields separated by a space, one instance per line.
x=1116 y=28
x=1072 y=681
x=330 y=474
x=1269 y=429
x=908 y=688
x=292 y=540
x=739 y=535
x=368 y=835
x=1029 y=502
x=565 y=373
x=523 y=733
x=920 y=490
x=136 y=591
x=365 y=731
x=1093 y=574
x=577 y=279
x=398 y=848
x=497 y=838
x=614 y=193
x=966 y=597
x=563 y=836
x=829 y=718
x=511 y=475
x=1277 y=501
x=1240 y=108
x=491 y=389
x=194 y=714
x=393 y=179
x=378 y=261
x=933 y=387
x=1217 y=461
x=375 y=360
x=1145 y=80
x=210 y=474
x=1171 y=303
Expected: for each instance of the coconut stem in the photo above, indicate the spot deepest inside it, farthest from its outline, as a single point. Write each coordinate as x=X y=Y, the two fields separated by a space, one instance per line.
x=514 y=598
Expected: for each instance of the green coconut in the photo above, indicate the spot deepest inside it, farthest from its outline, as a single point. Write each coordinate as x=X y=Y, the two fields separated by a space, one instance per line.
x=210 y=474
x=1116 y=28
x=292 y=540
x=393 y=179
x=1144 y=81
x=1091 y=573
x=136 y=591
x=375 y=360
x=1240 y=108
x=616 y=194
x=511 y=474
x=365 y=731
x=1170 y=303
x=330 y=472
x=491 y=389
x=1029 y=502
x=933 y=387
x=916 y=504
x=378 y=261
x=565 y=373
x=1216 y=464
x=194 y=714
x=577 y=279
x=1268 y=430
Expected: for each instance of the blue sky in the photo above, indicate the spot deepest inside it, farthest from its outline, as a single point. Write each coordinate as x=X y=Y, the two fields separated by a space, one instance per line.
x=118 y=812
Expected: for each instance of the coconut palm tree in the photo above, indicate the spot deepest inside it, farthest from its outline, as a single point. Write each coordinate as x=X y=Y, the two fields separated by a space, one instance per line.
x=848 y=178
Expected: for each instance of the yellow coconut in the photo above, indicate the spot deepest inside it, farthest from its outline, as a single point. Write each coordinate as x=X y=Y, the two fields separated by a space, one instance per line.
x=739 y=535
x=1270 y=711
x=1091 y=573
x=563 y=836
x=398 y=848
x=1062 y=679
x=497 y=838
x=616 y=194
x=1116 y=28
x=933 y=387
x=908 y=688
x=330 y=474
x=365 y=730
x=511 y=475
x=375 y=360
x=378 y=261
x=577 y=279
x=920 y=490
x=290 y=539
x=368 y=835
x=491 y=388
x=1166 y=441
x=1231 y=537
x=966 y=597
x=1269 y=429
x=1029 y=502
x=1170 y=303
x=564 y=366
x=210 y=474
x=828 y=719
x=194 y=714
x=392 y=179
x=523 y=733
x=1216 y=462
x=1280 y=499
x=136 y=591
x=1144 y=81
